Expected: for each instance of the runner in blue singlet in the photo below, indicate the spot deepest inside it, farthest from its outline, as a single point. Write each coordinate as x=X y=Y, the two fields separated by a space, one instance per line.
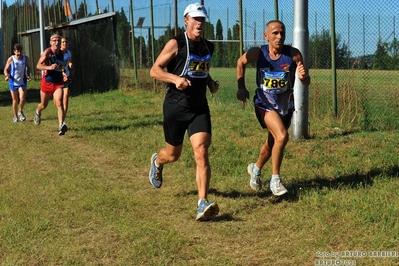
x=276 y=66
x=17 y=73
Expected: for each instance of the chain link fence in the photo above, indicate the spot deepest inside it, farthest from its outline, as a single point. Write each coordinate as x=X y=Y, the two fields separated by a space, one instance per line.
x=360 y=94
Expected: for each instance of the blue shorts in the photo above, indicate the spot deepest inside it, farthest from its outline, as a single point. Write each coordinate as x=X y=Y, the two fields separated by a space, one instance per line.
x=15 y=88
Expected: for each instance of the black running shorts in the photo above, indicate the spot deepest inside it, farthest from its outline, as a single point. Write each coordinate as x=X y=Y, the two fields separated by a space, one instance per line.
x=178 y=119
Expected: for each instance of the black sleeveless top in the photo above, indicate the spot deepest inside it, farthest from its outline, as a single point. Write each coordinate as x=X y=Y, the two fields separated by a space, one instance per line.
x=54 y=75
x=193 y=63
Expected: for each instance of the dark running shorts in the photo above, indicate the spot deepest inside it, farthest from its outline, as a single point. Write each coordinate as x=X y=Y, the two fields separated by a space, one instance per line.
x=177 y=120
x=260 y=114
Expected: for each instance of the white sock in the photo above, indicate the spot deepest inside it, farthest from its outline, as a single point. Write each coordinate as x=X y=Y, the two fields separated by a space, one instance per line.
x=275 y=177
x=256 y=169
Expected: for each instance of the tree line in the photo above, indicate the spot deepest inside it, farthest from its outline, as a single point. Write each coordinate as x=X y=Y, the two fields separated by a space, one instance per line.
x=227 y=51
x=24 y=16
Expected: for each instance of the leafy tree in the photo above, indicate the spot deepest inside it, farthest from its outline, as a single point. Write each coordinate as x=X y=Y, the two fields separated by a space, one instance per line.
x=394 y=53
x=229 y=48
x=233 y=48
x=320 y=51
x=122 y=35
x=218 y=56
x=382 y=60
x=209 y=33
x=343 y=57
x=386 y=56
x=82 y=10
x=142 y=56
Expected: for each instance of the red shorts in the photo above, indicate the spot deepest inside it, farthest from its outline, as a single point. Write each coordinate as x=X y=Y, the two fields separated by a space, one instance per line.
x=49 y=87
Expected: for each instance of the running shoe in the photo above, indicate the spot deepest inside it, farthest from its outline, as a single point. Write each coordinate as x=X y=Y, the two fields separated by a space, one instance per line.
x=37 y=119
x=206 y=210
x=254 y=182
x=155 y=174
x=21 y=116
x=62 y=129
x=15 y=120
x=277 y=187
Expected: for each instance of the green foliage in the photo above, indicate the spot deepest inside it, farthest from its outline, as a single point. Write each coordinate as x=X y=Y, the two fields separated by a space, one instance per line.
x=387 y=55
x=233 y=50
x=320 y=51
x=219 y=55
x=209 y=33
x=123 y=39
x=82 y=10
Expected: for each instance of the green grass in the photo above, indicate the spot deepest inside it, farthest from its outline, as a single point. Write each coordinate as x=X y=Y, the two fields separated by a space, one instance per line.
x=85 y=199
x=365 y=99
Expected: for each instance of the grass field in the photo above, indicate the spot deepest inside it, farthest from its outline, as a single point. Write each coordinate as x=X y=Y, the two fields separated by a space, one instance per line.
x=85 y=199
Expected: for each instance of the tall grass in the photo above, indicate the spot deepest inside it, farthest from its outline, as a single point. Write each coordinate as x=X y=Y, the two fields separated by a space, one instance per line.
x=85 y=199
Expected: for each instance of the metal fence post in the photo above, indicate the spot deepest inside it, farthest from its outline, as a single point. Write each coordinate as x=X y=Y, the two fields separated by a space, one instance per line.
x=301 y=95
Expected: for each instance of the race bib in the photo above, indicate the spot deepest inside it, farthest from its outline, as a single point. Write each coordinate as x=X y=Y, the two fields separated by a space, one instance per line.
x=274 y=82
x=199 y=66
x=61 y=65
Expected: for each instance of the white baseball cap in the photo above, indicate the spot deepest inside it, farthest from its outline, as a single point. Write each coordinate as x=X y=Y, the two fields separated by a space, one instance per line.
x=195 y=10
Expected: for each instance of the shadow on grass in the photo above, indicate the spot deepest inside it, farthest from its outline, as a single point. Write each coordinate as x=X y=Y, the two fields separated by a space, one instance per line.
x=116 y=127
x=111 y=120
x=353 y=181
x=32 y=95
x=295 y=189
x=226 y=217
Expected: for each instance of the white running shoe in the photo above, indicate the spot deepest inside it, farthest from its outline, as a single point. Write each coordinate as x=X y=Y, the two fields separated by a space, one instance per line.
x=277 y=187
x=254 y=182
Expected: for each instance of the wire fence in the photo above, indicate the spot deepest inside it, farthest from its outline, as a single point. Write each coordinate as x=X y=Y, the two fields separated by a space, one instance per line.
x=360 y=94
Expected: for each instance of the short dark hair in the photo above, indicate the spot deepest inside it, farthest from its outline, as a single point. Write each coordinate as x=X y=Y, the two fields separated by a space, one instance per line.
x=17 y=47
x=274 y=21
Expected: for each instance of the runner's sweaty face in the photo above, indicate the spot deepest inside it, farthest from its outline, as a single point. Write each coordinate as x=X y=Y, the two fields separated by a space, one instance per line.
x=55 y=43
x=275 y=35
x=195 y=26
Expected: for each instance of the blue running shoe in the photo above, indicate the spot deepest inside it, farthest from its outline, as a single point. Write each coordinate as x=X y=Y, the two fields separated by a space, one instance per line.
x=155 y=174
x=207 y=210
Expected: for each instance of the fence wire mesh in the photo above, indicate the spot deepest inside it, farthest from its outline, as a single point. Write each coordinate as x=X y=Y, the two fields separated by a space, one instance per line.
x=366 y=47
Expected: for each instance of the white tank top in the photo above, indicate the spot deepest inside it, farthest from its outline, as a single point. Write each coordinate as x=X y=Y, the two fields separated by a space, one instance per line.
x=17 y=73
